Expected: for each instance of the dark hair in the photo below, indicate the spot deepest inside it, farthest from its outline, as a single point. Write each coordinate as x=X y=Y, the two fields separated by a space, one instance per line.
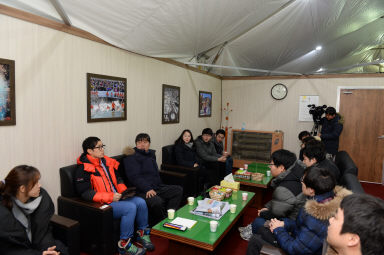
x=314 y=149
x=142 y=137
x=90 y=143
x=330 y=111
x=364 y=216
x=321 y=180
x=207 y=131
x=283 y=157
x=303 y=133
x=180 y=139
x=220 y=131
x=18 y=176
x=307 y=139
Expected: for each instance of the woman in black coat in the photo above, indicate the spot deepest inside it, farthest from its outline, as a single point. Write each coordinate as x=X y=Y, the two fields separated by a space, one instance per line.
x=25 y=213
x=185 y=150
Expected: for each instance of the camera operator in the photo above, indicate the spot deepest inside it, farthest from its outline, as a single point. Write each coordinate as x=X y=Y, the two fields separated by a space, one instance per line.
x=332 y=125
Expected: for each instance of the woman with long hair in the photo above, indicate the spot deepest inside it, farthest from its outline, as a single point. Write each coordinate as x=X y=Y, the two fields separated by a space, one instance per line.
x=25 y=213
x=185 y=151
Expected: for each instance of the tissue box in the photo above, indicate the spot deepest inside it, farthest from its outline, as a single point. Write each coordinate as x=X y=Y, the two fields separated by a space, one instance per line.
x=231 y=185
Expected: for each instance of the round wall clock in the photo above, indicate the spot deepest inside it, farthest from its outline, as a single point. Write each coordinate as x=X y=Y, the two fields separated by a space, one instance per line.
x=279 y=91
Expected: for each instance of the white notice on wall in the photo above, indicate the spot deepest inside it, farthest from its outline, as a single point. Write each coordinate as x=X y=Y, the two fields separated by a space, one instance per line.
x=304 y=109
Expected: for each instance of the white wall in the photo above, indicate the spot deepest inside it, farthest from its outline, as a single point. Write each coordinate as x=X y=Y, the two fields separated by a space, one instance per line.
x=51 y=69
x=252 y=103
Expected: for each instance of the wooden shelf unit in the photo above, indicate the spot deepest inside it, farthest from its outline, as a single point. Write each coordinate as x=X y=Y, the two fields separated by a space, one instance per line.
x=254 y=146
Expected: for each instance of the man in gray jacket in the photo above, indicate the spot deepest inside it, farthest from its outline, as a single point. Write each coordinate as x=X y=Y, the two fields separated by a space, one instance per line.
x=211 y=160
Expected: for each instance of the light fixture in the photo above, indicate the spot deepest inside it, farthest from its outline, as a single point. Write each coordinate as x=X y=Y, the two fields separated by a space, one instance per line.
x=318 y=48
x=320 y=70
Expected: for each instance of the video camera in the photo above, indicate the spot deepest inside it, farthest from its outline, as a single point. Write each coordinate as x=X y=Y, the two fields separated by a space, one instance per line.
x=316 y=112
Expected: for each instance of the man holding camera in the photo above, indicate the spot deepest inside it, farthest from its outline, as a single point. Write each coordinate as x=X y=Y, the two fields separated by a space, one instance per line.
x=332 y=125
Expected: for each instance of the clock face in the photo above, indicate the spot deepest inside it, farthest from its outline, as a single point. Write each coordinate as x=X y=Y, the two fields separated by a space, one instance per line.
x=279 y=91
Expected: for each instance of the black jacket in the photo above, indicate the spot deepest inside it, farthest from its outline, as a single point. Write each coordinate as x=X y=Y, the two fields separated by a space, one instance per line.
x=185 y=156
x=142 y=171
x=330 y=133
x=13 y=237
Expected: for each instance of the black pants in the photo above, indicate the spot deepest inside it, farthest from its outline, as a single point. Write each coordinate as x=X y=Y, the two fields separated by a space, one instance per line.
x=215 y=172
x=168 y=197
x=263 y=236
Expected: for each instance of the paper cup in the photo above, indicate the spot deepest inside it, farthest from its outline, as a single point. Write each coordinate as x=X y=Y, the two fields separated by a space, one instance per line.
x=171 y=214
x=232 y=208
x=213 y=225
x=245 y=196
x=245 y=166
x=268 y=173
x=191 y=200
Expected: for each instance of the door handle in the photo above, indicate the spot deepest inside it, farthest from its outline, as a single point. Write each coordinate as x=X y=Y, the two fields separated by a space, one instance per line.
x=380 y=137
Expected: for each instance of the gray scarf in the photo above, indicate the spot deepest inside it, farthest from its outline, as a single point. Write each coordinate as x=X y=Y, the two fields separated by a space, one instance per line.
x=190 y=144
x=22 y=211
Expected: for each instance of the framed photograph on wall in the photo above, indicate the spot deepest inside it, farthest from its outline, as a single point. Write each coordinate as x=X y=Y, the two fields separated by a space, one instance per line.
x=106 y=98
x=7 y=92
x=205 y=104
x=171 y=104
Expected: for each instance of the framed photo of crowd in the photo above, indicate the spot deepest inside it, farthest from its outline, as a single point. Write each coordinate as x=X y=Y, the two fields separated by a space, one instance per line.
x=171 y=104
x=7 y=92
x=205 y=104
x=106 y=98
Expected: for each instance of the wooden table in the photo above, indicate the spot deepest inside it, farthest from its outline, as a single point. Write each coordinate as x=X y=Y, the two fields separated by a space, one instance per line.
x=199 y=240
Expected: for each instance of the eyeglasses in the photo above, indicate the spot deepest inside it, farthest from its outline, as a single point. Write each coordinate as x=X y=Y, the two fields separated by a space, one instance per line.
x=101 y=147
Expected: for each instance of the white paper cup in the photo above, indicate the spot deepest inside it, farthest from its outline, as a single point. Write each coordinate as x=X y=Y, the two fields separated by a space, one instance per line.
x=191 y=200
x=245 y=196
x=245 y=166
x=171 y=214
x=268 y=173
x=213 y=225
x=232 y=208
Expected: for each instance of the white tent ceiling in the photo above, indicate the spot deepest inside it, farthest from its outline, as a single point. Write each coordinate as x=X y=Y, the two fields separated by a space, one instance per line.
x=235 y=38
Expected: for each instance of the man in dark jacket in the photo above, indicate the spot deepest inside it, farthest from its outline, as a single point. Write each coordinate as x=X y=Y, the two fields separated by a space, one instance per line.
x=142 y=171
x=330 y=131
x=314 y=155
x=219 y=146
x=213 y=162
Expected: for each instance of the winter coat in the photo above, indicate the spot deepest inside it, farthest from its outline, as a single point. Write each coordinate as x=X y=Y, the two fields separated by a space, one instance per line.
x=218 y=146
x=13 y=237
x=306 y=235
x=91 y=181
x=329 y=165
x=185 y=156
x=330 y=133
x=141 y=170
x=206 y=151
x=286 y=198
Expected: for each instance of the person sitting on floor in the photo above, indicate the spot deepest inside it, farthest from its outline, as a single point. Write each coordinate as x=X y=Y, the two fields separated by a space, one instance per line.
x=98 y=180
x=358 y=226
x=286 y=198
x=142 y=171
x=25 y=213
x=305 y=235
x=219 y=146
x=213 y=162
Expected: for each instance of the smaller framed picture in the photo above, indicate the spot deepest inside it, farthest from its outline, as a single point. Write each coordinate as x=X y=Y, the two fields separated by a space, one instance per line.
x=205 y=104
x=171 y=104
x=7 y=92
x=106 y=98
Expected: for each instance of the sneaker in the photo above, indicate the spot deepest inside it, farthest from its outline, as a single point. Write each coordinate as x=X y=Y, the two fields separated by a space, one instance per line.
x=246 y=234
x=144 y=240
x=126 y=247
x=248 y=227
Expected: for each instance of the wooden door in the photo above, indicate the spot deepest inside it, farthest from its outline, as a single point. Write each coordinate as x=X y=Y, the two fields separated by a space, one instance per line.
x=363 y=111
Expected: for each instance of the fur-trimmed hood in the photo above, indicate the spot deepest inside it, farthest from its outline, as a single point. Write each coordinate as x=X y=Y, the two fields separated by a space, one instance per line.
x=324 y=211
x=128 y=151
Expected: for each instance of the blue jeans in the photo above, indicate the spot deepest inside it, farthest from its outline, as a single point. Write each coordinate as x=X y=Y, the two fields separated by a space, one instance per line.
x=129 y=210
x=228 y=165
x=257 y=223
